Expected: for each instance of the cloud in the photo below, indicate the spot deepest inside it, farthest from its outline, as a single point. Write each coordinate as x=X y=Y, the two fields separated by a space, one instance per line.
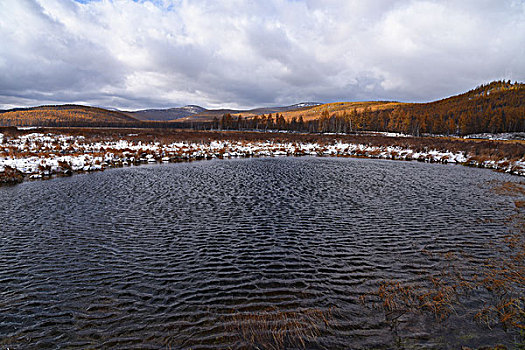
x=233 y=53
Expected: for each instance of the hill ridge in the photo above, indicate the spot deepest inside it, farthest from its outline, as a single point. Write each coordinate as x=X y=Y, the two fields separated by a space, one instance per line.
x=498 y=106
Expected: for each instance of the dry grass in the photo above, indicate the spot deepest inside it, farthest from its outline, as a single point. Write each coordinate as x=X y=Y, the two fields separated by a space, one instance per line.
x=508 y=188
x=11 y=176
x=276 y=329
x=476 y=149
x=503 y=278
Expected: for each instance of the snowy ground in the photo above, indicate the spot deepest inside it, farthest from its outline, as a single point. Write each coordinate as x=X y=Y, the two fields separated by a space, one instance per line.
x=38 y=155
x=500 y=136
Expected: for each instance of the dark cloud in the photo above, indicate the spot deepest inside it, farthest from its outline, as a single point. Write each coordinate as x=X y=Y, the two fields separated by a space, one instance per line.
x=233 y=53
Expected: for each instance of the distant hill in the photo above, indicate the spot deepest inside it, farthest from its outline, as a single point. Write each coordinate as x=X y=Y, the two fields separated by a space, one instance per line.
x=297 y=106
x=308 y=110
x=78 y=115
x=314 y=112
x=167 y=114
x=63 y=115
x=208 y=115
x=196 y=113
x=490 y=108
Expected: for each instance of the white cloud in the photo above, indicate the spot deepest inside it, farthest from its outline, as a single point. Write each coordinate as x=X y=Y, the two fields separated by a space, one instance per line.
x=138 y=54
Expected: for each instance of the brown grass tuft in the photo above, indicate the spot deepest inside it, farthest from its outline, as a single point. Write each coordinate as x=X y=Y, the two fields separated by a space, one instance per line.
x=276 y=329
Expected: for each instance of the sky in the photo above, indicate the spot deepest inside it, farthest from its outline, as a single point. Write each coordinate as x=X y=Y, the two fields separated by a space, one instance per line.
x=137 y=54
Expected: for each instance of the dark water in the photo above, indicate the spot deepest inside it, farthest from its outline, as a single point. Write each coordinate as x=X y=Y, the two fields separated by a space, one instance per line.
x=163 y=256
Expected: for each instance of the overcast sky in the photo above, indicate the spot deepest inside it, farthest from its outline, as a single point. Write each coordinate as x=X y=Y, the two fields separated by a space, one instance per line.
x=231 y=53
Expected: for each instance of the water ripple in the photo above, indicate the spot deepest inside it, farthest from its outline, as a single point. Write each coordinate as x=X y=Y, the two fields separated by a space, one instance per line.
x=166 y=256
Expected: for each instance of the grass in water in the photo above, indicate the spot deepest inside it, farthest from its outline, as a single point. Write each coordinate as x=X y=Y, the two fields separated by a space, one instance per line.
x=501 y=278
x=276 y=329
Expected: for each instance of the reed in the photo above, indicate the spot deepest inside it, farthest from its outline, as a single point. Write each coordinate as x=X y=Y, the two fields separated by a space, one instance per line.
x=501 y=277
x=278 y=329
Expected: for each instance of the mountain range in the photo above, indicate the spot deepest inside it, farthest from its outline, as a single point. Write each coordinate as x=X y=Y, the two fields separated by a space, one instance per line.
x=192 y=112
x=495 y=107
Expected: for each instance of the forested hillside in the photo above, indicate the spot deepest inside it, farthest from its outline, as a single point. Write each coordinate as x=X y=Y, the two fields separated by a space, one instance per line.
x=493 y=108
x=64 y=115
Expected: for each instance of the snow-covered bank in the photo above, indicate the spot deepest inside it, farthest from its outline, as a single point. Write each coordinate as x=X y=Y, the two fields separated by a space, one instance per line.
x=500 y=136
x=38 y=155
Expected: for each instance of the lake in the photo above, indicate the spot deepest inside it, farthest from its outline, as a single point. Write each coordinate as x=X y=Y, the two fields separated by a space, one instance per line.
x=186 y=255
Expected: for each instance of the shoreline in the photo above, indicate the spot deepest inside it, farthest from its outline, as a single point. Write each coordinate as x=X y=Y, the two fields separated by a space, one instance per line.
x=41 y=153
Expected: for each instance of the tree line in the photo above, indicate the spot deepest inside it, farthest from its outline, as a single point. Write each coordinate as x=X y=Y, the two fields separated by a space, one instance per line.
x=258 y=122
